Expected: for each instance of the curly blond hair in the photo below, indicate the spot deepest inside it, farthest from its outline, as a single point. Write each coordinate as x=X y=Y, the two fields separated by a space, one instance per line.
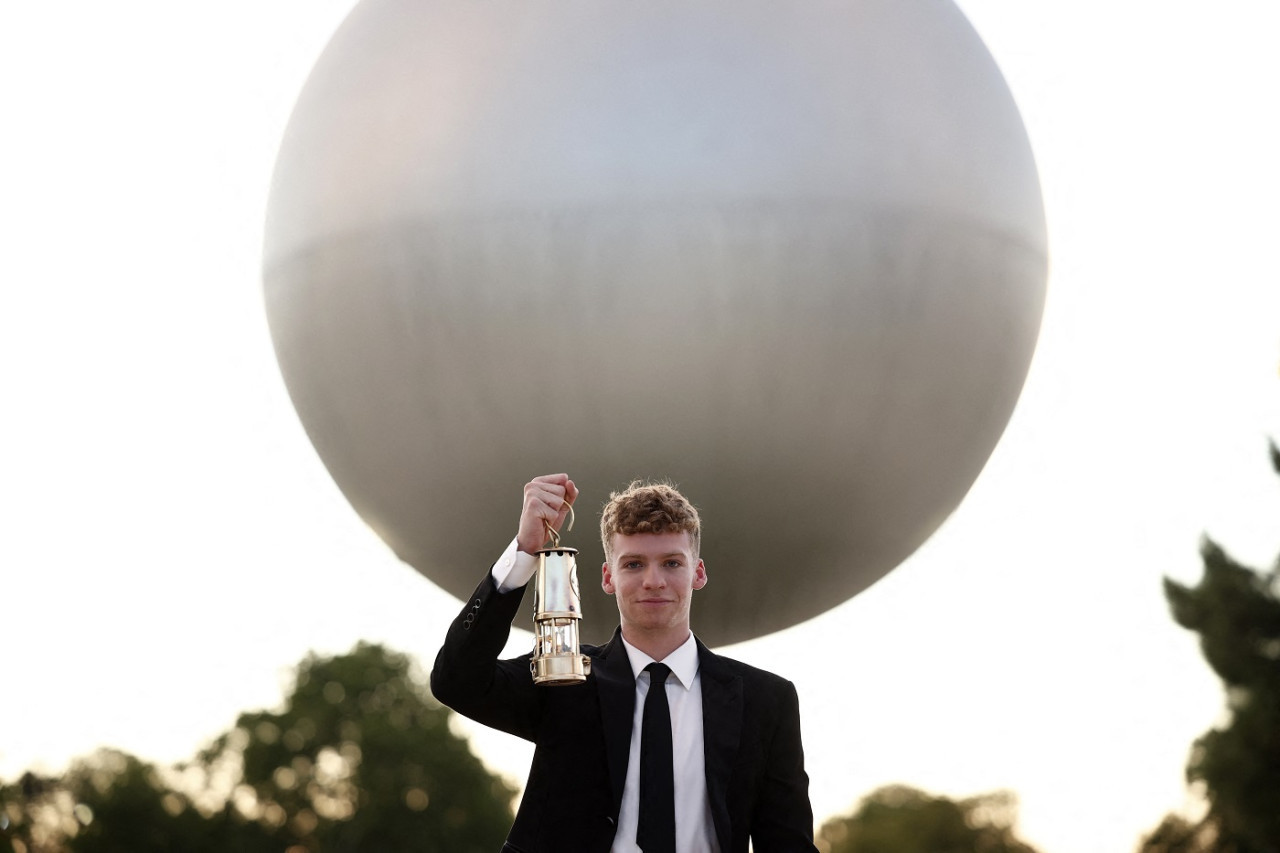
x=649 y=508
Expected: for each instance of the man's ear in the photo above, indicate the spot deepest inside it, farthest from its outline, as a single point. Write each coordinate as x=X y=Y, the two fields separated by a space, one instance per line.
x=606 y=579
x=700 y=575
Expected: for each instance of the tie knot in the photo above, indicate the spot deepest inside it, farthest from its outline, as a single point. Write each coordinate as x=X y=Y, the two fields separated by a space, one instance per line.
x=658 y=673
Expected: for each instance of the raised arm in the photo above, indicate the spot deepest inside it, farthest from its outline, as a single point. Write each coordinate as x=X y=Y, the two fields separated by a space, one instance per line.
x=468 y=676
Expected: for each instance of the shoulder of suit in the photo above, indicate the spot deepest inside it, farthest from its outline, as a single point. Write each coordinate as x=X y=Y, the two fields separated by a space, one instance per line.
x=751 y=675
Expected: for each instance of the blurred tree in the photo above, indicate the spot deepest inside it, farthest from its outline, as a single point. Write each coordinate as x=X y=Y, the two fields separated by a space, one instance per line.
x=361 y=760
x=1236 y=612
x=111 y=801
x=29 y=814
x=1178 y=835
x=901 y=819
x=124 y=805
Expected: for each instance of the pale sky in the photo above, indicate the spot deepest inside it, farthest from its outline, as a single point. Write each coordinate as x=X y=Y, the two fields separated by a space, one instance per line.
x=170 y=544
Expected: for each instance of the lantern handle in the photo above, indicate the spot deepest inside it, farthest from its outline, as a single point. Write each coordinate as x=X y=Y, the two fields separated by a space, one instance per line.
x=552 y=534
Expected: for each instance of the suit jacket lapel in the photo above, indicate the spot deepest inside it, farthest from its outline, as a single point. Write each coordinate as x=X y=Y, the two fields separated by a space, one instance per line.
x=721 y=731
x=616 y=690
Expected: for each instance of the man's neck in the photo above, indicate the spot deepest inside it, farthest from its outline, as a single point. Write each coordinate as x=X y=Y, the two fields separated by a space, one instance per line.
x=656 y=644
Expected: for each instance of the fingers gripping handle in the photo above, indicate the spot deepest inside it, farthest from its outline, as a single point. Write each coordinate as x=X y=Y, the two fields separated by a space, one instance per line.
x=553 y=536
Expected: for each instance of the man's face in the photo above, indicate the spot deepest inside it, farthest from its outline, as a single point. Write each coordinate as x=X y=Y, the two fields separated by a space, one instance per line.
x=653 y=576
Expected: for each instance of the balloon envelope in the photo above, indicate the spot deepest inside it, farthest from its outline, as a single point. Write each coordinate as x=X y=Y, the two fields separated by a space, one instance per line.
x=788 y=256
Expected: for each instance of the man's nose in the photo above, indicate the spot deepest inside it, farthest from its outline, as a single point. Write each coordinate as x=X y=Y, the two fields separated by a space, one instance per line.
x=653 y=579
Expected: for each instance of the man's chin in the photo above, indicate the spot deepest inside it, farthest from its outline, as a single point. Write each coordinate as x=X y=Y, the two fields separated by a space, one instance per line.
x=654 y=616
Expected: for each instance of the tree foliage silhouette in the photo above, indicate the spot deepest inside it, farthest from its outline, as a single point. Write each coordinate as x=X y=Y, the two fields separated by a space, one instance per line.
x=360 y=759
x=901 y=819
x=1236 y=612
x=1176 y=834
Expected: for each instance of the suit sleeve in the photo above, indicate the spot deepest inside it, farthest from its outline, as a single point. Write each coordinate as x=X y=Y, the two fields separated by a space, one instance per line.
x=783 y=817
x=468 y=675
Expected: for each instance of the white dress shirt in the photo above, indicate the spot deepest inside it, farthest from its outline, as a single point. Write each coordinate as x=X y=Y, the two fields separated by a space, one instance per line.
x=695 y=831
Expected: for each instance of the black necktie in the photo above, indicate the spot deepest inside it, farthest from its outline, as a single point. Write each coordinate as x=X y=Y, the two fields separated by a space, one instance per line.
x=656 y=832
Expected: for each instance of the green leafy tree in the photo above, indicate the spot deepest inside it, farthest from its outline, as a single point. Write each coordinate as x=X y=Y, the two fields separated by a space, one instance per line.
x=360 y=760
x=125 y=805
x=901 y=819
x=1236 y=612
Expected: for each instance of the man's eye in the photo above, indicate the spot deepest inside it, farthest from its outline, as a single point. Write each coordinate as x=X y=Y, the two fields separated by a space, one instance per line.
x=632 y=564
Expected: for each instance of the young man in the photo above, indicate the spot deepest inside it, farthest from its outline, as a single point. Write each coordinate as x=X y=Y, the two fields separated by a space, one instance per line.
x=666 y=747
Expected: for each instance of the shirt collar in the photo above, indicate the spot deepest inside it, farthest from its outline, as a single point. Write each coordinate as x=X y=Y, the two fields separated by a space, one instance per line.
x=683 y=661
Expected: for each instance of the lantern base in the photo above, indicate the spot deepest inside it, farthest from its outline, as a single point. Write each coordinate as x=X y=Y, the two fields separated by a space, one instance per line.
x=560 y=669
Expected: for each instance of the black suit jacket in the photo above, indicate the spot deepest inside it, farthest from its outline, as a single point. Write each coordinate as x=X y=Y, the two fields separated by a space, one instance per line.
x=756 y=782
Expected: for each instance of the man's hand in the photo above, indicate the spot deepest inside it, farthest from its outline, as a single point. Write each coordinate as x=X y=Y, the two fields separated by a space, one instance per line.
x=545 y=500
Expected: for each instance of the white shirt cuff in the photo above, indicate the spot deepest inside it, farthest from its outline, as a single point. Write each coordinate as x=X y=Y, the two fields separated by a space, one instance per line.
x=513 y=569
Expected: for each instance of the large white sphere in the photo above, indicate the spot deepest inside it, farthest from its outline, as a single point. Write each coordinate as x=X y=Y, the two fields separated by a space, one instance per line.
x=790 y=256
